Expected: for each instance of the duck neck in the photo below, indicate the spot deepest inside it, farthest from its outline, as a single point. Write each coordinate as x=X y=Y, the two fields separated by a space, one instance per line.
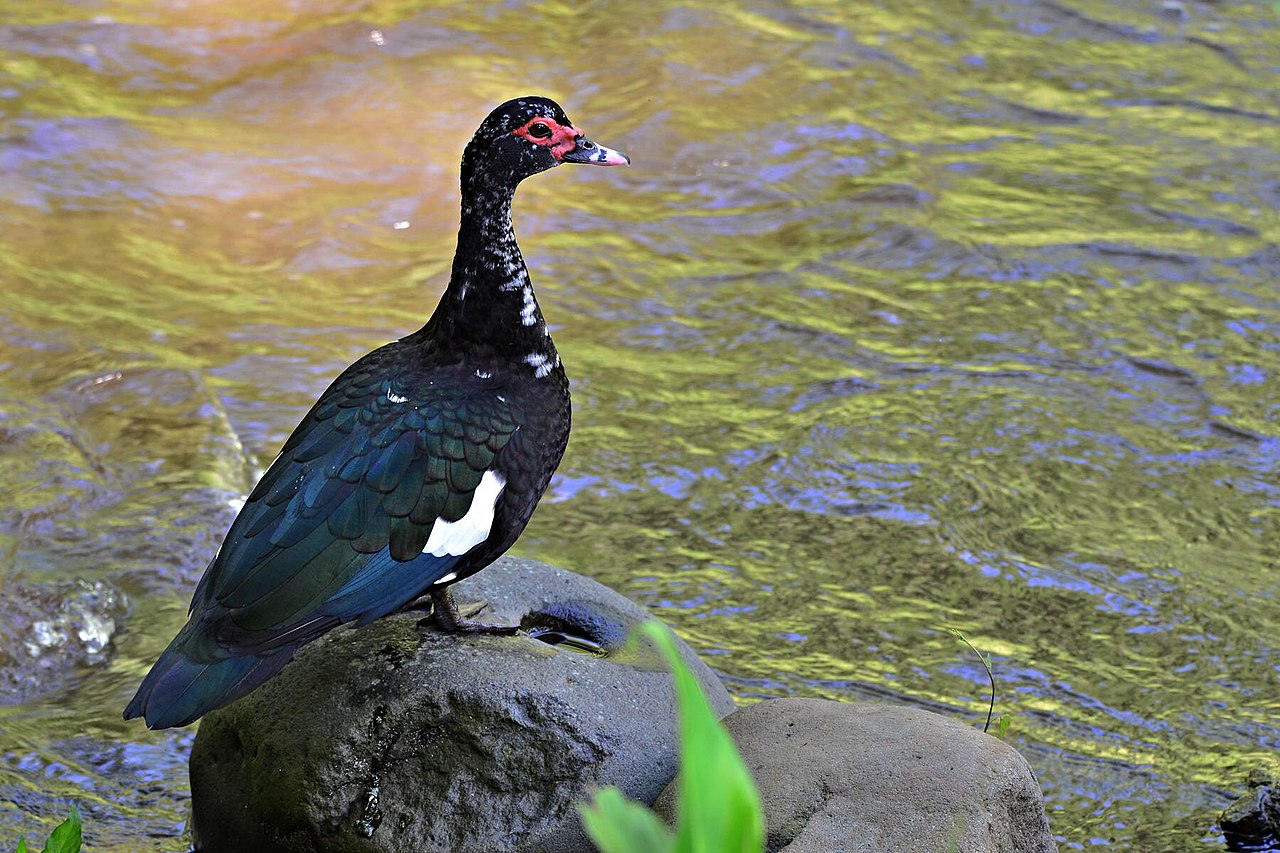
x=489 y=305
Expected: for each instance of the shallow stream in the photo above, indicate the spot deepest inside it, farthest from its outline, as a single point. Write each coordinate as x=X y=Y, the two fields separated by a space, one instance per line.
x=909 y=316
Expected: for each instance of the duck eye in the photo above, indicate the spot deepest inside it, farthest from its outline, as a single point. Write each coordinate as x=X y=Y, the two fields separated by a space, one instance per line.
x=539 y=130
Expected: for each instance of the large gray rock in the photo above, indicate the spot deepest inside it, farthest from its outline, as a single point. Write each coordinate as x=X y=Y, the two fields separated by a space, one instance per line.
x=394 y=737
x=876 y=778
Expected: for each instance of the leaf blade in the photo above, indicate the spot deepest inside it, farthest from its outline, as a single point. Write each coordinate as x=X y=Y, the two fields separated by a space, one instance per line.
x=66 y=836
x=618 y=825
x=719 y=807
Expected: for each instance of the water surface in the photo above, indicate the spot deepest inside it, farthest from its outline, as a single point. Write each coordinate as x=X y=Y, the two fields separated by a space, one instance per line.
x=908 y=316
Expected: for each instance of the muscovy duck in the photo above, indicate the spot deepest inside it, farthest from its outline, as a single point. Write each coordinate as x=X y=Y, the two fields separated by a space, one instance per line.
x=420 y=465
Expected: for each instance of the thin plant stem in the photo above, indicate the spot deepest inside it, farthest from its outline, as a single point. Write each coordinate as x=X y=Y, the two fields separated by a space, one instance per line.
x=986 y=664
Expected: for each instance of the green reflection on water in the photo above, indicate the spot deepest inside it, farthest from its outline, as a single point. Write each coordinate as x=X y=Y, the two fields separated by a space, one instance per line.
x=906 y=317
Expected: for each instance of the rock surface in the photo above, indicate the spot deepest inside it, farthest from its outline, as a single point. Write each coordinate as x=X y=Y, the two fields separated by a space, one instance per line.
x=394 y=737
x=1253 y=821
x=876 y=778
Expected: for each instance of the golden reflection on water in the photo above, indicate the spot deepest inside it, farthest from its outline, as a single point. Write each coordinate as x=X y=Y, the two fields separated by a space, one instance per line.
x=906 y=317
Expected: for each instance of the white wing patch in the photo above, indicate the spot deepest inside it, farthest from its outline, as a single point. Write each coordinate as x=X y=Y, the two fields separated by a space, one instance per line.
x=455 y=538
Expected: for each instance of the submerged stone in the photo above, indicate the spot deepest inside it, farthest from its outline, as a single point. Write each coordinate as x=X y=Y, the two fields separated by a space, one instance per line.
x=395 y=737
x=1253 y=821
x=54 y=632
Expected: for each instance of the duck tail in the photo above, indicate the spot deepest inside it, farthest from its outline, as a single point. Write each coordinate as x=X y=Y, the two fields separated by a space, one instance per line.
x=194 y=676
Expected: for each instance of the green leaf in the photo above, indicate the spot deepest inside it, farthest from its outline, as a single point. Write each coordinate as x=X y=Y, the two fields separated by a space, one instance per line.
x=719 y=808
x=22 y=844
x=1002 y=725
x=66 y=837
x=618 y=825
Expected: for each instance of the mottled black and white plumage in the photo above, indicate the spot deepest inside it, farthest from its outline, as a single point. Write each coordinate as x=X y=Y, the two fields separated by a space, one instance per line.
x=419 y=466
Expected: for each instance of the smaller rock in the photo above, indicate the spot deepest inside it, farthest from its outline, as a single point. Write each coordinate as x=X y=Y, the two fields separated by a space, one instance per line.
x=1253 y=821
x=874 y=778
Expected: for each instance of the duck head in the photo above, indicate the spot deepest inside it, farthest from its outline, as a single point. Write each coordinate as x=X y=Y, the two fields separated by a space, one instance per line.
x=526 y=136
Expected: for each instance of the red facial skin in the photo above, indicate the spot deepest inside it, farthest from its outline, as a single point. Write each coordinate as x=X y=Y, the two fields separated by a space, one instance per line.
x=563 y=138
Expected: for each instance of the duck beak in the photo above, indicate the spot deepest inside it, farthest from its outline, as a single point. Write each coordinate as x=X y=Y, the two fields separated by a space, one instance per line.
x=586 y=151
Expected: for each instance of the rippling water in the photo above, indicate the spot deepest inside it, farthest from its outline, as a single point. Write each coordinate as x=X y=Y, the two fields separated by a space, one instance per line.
x=908 y=316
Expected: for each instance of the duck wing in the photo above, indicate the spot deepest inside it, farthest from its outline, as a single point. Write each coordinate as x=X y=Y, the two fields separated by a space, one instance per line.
x=380 y=491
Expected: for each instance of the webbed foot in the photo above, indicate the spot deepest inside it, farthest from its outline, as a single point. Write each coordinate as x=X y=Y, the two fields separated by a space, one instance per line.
x=445 y=617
